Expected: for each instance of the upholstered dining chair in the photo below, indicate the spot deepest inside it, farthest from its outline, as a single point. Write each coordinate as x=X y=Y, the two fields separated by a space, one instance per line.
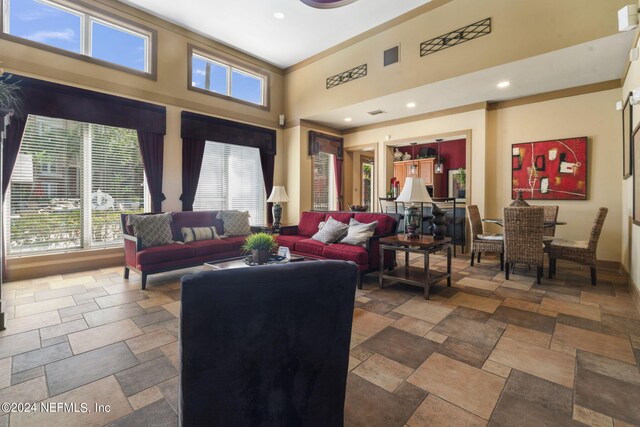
x=523 y=232
x=579 y=251
x=481 y=241
x=550 y=215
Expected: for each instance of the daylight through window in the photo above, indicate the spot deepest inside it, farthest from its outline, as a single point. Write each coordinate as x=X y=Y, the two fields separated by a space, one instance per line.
x=231 y=178
x=66 y=26
x=70 y=184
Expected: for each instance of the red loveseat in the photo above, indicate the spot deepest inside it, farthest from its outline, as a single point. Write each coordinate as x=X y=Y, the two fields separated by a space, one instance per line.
x=174 y=256
x=298 y=239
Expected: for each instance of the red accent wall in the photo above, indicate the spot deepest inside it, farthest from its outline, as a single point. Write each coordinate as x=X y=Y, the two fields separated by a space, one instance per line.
x=453 y=152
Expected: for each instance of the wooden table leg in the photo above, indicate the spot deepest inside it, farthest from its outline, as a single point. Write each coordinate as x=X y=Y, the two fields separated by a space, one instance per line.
x=426 y=269
x=381 y=269
x=449 y=265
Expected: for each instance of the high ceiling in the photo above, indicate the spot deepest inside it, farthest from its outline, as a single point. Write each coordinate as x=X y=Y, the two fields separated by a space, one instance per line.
x=250 y=25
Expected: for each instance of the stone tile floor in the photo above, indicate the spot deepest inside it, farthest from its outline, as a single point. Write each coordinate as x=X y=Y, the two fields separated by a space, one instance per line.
x=484 y=352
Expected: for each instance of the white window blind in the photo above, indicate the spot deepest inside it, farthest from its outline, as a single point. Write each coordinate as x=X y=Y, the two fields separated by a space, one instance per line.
x=70 y=184
x=324 y=187
x=231 y=178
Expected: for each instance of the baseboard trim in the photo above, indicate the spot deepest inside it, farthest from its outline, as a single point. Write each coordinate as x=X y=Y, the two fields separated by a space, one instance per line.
x=31 y=267
x=633 y=288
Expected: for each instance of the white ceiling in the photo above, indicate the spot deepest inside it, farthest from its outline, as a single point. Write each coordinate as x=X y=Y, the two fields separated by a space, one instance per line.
x=249 y=25
x=593 y=62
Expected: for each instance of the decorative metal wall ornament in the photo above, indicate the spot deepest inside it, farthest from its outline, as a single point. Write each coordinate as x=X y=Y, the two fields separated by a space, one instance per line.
x=456 y=37
x=347 y=76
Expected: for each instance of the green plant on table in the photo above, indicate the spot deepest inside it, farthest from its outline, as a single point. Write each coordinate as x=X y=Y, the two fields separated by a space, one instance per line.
x=260 y=241
x=461 y=178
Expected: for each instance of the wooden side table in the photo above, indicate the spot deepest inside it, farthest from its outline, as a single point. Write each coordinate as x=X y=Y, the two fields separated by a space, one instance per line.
x=269 y=228
x=411 y=275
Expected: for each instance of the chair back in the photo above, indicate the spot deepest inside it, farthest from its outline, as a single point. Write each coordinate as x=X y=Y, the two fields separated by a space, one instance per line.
x=475 y=222
x=523 y=234
x=550 y=215
x=597 y=228
x=266 y=345
x=391 y=206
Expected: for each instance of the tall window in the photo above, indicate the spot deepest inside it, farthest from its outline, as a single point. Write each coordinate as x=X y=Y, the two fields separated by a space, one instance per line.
x=324 y=184
x=71 y=182
x=213 y=75
x=67 y=26
x=231 y=178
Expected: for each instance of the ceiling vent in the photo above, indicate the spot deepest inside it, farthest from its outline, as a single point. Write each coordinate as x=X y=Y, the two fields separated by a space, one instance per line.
x=376 y=112
x=391 y=56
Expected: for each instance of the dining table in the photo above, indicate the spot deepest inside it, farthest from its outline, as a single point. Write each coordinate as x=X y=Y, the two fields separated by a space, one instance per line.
x=500 y=222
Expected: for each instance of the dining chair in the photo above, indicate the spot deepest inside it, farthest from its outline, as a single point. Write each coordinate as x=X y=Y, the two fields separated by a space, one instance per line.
x=481 y=241
x=550 y=216
x=391 y=206
x=523 y=233
x=579 y=251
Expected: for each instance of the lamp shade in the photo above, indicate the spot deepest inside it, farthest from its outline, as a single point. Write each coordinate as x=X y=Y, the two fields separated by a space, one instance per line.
x=414 y=191
x=278 y=194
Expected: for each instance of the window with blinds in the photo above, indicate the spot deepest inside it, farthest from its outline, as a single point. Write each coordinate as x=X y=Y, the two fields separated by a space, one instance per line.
x=324 y=187
x=70 y=184
x=231 y=178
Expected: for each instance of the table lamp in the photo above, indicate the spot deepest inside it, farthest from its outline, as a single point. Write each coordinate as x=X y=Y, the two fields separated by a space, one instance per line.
x=278 y=194
x=414 y=191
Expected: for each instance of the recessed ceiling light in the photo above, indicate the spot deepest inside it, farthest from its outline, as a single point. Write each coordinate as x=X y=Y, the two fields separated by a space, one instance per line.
x=347 y=119
x=411 y=104
x=503 y=84
x=278 y=15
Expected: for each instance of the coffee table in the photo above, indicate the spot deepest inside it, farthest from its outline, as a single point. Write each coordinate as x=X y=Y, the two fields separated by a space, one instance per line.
x=238 y=262
x=412 y=275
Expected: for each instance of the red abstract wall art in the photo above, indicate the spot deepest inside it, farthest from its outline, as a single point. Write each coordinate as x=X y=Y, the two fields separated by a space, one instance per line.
x=550 y=170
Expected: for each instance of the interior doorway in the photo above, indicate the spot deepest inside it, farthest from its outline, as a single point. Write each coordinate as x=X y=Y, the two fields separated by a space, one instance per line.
x=367 y=182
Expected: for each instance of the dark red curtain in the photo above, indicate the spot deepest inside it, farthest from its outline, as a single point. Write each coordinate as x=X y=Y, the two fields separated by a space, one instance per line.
x=152 y=152
x=267 y=160
x=337 y=166
x=192 y=153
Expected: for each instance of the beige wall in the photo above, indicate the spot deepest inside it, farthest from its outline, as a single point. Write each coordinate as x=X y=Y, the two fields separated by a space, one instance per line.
x=591 y=115
x=518 y=31
x=630 y=236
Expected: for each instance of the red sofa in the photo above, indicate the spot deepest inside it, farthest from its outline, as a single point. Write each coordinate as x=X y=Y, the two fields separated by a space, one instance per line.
x=175 y=256
x=298 y=239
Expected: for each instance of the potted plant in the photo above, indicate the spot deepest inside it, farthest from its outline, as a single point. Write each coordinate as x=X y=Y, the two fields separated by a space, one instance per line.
x=260 y=245
x=461 y=179
x=9 y=93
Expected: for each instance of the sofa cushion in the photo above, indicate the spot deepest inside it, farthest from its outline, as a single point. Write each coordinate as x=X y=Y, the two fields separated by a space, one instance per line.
x=210 y=247
x=331 y=231
x=152 y=230
x=358 y=232
x=309 y=221
x=192 y=234
x=289 y=241
x=236 y=223
x=342 y=217
x=386 y=224
x=357 y=254
x=194 y=219
x=156 y=254
x=236 y=241
x=310 y=246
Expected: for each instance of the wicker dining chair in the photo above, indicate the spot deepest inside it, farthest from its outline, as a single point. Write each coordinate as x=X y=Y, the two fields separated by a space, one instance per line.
x=579 y=251
x=523 y=232
x=550 y=215
x=481 y=242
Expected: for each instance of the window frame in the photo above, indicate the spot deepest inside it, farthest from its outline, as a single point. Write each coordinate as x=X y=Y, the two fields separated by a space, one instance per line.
x=89 y=14
x=231 y=65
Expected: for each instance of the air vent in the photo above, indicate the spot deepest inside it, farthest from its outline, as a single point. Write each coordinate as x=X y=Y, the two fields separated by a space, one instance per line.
x=391 y=56
x=376 y=112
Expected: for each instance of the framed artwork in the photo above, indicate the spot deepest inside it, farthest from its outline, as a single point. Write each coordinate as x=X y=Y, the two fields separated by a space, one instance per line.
x=453 y=185
x=636 y=175
x=550 y=170
x=627 y=138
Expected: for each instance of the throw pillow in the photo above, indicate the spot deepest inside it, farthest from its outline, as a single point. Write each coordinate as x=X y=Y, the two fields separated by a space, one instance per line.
x=152 y=230
x=331 y=232
x=191 y=234
x=358 y=232
x=236 y=223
